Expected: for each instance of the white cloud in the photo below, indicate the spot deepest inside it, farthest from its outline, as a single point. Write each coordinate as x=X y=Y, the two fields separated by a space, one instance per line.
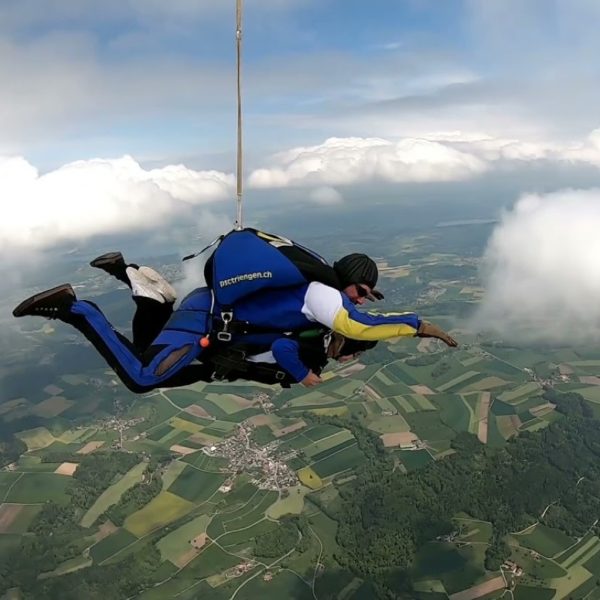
x=437 y=157
x=343 y=161
x=541 y=269
x=326 y=196
x=87 y=198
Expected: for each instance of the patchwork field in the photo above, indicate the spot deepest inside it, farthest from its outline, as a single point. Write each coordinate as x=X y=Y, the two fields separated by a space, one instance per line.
x=160 y=511
x=112 y=494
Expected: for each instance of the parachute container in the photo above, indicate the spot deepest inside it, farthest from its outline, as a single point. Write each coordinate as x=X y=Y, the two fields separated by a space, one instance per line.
x=248 y=261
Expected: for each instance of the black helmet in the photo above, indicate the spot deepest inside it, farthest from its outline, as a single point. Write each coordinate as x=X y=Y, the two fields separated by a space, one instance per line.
x=358 y=268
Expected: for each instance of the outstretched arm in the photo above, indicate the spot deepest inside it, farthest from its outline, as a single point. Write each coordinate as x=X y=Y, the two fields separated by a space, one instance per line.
x=335 y=310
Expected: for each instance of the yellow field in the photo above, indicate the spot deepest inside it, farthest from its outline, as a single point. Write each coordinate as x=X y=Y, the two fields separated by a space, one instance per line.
x=160 y=511
x=310 y=479
x=74 y=435
x=36 y=438
x=184 y=425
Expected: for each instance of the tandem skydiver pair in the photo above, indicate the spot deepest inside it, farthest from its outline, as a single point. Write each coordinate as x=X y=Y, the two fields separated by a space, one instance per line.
x=270 y=306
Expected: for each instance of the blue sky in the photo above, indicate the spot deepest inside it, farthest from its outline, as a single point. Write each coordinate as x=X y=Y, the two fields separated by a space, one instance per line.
x=155 y=79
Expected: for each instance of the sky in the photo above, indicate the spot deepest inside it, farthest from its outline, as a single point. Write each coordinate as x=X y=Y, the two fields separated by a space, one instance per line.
x=120 y=115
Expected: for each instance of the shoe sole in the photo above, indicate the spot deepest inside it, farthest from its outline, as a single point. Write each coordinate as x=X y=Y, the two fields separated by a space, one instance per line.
x=21 y=310
x=166 y=289
x=110 y=258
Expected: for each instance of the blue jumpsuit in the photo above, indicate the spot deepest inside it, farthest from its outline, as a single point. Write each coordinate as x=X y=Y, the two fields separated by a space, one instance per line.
x=177 y=346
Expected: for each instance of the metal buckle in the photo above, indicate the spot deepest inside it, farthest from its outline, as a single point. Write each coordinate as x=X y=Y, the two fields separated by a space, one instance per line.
x=280 y=375
x=226 y=317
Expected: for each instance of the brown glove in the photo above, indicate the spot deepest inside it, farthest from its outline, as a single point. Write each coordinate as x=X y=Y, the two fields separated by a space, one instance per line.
x=429 y=330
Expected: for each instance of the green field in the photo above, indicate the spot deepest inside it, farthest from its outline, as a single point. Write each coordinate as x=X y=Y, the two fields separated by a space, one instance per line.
x=160 y=511
x=457 y=570
x=195 y=485
x=332 y=441
x=110 y=545
x=7 y=478
x=113 y=493
x=176 y=543
x=34 y=488
x=249 y=514
x=389 y=424
x=545 y=540
x=520 y=393
x=455 y=413
x=348 y=458
x=415 y=459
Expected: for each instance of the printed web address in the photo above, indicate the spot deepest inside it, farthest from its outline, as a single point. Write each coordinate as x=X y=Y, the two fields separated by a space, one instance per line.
x=245 y=277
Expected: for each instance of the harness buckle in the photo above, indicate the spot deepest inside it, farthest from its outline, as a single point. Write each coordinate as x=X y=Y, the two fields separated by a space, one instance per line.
x=226 y=317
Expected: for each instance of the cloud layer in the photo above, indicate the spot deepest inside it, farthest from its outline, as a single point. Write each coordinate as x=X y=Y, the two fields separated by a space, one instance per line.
x=541 y=270
x=87 y=198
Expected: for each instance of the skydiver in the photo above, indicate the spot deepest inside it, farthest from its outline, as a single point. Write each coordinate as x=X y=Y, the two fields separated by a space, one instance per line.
x=260 y=320
x=289 y=359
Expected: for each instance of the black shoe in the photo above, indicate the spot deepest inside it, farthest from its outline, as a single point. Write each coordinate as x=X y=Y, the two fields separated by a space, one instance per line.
x=52 y=303
x=114 y=264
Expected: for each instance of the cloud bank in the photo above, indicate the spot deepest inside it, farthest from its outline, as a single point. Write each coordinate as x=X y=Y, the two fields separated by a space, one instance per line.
x=87 y=198
x=541 y=270
x=438 y=157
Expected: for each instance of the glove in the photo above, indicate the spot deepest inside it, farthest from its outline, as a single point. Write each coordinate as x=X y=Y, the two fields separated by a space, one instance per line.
x=429 y=330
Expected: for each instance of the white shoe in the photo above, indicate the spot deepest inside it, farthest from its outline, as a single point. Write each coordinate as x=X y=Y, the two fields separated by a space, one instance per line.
x=147 y=283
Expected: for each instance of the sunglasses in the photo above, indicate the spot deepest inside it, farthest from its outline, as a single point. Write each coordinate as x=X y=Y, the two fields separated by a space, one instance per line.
x=361 y=291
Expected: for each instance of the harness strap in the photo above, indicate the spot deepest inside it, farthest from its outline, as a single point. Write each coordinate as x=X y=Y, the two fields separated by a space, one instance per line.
x=234 y=360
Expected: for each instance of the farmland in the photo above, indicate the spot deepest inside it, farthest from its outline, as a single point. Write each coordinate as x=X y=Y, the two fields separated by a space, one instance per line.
x=226 y=470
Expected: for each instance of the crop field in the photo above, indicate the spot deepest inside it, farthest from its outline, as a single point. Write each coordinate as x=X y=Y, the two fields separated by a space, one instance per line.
x=428 y=426
x=390 y=424
x=177 y=543
x=195 y=485
x=459 y=381
x=455 y=413
x=183 y=425
x=16 y=518
x=113 y=493
x=108 y=546
x=545 y=540
x=249 y=514
x=36 y=438
x=51 y=407
x=520 y=393
x=326 y=443
x=348 y=458
x=160 y=511
x=33 y=488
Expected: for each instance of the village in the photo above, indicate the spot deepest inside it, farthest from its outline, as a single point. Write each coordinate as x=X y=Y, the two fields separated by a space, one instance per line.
x=245 y=456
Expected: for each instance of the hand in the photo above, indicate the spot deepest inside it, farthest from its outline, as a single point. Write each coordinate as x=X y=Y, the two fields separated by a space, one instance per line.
x=429 y=330
x=311 y=379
